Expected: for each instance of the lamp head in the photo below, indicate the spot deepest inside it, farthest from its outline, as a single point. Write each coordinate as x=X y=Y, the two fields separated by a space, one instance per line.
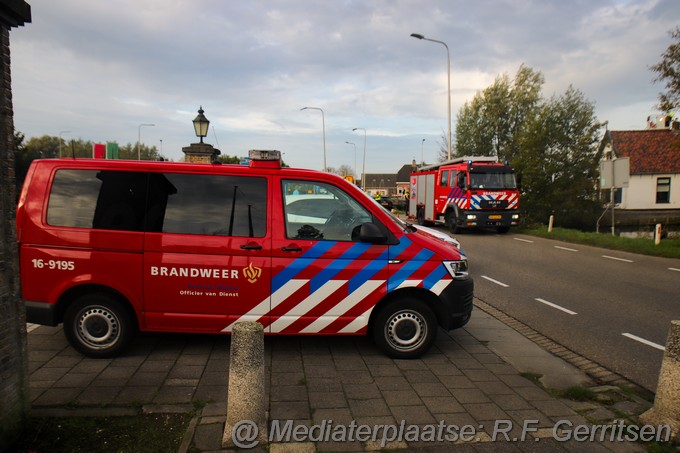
x=201 y=124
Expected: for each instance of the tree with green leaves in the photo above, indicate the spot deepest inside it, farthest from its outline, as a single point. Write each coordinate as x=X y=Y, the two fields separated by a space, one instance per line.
x=490 y=124
x=558 y=160
x=50 y=147
x=668 y=72
x=551 y=143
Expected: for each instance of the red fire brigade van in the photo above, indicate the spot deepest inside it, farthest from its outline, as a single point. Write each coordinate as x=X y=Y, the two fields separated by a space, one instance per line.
x=109 y=248
x=466 y=192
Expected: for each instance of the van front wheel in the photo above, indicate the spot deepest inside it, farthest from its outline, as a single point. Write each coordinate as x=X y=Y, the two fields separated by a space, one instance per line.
x=98 y=326
x=405 y=329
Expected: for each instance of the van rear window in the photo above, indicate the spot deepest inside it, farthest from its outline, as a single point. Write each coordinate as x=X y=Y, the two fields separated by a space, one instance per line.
x=106 y=200
x=215 y=205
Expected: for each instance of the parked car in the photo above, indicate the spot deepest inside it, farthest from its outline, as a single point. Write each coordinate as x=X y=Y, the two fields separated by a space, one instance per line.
x=386 y=203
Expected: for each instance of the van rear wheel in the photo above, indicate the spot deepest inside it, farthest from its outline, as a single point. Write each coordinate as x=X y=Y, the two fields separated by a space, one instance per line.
x=98 y=326
x=405 y=329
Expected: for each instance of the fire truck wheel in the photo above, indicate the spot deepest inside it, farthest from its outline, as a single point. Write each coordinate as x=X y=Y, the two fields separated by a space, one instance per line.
x=98 y=326
x=450 y=221
x=405 y=329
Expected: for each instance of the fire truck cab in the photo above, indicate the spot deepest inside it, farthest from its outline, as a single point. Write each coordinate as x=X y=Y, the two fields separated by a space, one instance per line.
x=466 y=192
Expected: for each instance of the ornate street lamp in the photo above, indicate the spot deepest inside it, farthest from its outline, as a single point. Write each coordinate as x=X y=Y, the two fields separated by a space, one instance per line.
x=201 y=124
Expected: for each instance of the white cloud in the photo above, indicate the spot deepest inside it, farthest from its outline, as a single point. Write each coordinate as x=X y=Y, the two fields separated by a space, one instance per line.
x=100 y=69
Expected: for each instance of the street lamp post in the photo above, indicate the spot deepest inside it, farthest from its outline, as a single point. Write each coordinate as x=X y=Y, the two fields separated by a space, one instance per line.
x=355 y=157
x=201 y=124
x=422 y=161
x=448 y=59
x=62 y=132
x=323 y=126
x=363 y=168
x=139 y=138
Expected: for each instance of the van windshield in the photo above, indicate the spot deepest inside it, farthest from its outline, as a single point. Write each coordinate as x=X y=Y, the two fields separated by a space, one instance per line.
x=492 y=180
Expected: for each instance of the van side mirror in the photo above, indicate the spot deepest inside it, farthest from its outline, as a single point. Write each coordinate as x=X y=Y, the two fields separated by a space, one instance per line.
x=519 y=182
x=461 y=180
x=369 y=232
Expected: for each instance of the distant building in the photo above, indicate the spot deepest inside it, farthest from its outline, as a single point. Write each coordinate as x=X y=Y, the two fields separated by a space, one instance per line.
x=653 y=192
x=380 y=183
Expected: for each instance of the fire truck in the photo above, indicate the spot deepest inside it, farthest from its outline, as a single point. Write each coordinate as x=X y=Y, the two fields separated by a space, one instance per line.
x=466 y=192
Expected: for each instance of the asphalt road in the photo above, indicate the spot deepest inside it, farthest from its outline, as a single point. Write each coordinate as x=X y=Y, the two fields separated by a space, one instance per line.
x=612 y=307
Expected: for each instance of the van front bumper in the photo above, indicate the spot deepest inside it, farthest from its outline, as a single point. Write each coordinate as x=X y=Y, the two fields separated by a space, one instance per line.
x=457 y=298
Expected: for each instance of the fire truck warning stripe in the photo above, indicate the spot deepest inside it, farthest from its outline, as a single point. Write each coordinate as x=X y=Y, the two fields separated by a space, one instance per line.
x=306 y=305
x=408 y=269
x=360 y=322
x=319 y=309
x=340 y=264
x=396 y=250
x=436 y=276
x=344 y=306
x=290 y=271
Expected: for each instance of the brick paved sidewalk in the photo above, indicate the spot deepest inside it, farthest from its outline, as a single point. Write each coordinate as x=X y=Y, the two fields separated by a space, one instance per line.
x=462 y=381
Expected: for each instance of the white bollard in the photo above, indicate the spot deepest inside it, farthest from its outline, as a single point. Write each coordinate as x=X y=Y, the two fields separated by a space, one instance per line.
x=657 y=234
x=550 y=223
x=666 y=409
x=246 y=408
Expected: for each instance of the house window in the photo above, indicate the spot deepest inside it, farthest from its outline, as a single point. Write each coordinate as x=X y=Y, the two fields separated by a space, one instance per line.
x=663 y=190
x=618 y=196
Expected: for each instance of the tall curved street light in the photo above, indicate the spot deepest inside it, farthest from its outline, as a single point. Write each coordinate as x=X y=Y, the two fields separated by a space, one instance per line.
x=355 y=157
x=448 y=59
x=62 y=132
x=323 y=125
x=139 y=138
x=363 y=168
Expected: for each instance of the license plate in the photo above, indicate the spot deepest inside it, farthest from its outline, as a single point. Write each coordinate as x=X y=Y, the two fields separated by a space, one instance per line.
x=494 y=217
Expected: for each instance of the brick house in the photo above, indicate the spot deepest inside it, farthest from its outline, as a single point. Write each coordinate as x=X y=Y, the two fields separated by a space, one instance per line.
x=653 y=192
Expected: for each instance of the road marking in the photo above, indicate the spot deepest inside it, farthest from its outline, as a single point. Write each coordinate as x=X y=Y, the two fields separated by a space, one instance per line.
x=556 y=306
x=617 y=259
x=524 y=240
x=565 y=248
x=673 y=269
x=31 y=327
x=495 y=281
x=643 y=341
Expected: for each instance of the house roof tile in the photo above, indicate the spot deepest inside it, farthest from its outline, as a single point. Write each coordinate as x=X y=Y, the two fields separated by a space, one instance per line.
x=650 y=151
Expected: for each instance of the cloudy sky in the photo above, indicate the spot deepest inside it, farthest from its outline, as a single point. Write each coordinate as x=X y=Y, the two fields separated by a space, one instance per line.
x=99 y=69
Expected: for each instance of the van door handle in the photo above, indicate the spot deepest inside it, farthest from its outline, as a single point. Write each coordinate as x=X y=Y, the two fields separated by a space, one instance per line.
x=251 y=247
x=292 y=249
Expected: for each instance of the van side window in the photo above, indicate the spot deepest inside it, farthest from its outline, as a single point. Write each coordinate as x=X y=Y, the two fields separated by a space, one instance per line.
x=318 y=211
x=213 y=205
x=102 y=200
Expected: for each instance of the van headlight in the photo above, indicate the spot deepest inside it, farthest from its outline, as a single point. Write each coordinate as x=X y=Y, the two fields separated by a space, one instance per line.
x=458 y=270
